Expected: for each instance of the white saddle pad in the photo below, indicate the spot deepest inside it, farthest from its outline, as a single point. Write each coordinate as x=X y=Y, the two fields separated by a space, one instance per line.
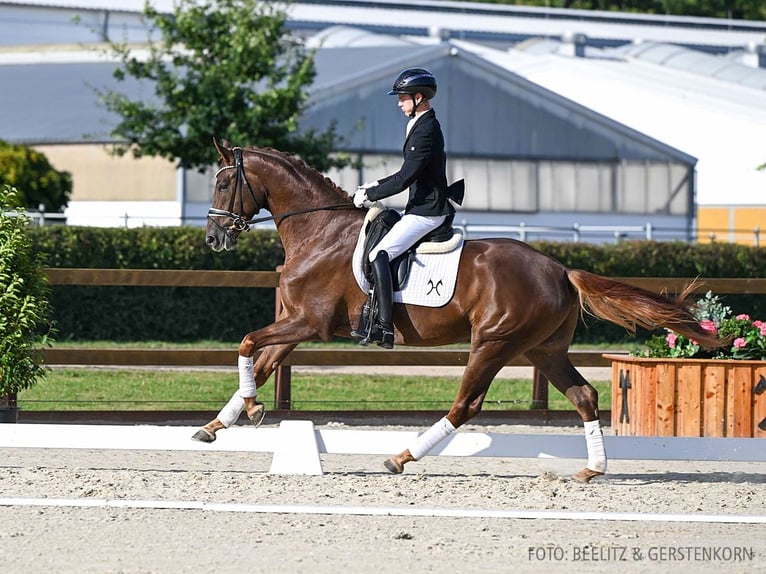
x=433 y=274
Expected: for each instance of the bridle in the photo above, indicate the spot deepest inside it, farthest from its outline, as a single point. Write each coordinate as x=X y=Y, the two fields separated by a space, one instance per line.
x=238 y=221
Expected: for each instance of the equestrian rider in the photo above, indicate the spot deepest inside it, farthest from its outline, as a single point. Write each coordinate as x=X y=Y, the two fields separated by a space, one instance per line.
x=424 y=173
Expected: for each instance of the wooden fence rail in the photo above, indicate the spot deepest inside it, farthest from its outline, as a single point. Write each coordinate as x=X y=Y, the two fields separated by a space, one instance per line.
x=313 y=357
x=204 y=278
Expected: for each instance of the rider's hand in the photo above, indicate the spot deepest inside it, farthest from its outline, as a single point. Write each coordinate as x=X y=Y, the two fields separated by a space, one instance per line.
x=360 y=197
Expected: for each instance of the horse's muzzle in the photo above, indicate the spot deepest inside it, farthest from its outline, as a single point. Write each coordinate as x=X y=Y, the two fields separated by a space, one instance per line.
x=214 y=243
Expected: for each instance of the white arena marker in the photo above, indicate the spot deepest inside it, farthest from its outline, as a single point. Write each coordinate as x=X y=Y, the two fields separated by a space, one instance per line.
x=133 y=437
x=514 y=514
x=297 y=451
x=298 y=443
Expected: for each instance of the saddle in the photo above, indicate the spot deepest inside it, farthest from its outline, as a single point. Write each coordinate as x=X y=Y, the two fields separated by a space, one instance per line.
x=377 y=228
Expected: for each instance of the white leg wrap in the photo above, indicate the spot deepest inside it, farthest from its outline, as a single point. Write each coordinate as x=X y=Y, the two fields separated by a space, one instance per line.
x=231 y=411
x=429 y=439
x=246 y=380
x=594 y=440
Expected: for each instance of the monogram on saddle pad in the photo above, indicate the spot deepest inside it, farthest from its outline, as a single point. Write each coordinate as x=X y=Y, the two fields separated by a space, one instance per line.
x=426 y=274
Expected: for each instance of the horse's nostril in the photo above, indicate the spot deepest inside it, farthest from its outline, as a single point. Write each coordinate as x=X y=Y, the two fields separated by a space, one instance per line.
x=210 y=240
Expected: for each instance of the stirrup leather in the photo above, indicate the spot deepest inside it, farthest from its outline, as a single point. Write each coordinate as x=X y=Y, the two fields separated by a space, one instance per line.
x=364 y=334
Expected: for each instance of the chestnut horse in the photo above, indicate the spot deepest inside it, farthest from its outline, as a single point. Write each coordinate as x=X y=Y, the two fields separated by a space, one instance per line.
x=510 y=299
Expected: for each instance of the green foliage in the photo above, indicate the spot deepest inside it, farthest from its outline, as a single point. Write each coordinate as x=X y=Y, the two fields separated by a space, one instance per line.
x=660 y=258
x=157 y=313
x=25 y=169
x=152 y=248
x=224 y=69
x=182 y=314
x=747 y=337
x=740 y=9
x=24 y=306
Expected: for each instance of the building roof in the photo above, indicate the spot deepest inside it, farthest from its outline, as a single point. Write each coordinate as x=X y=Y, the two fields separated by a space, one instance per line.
x=498 y=23
x=509 y=85
x=729 y=69
x=488 y=111
x=716 y=120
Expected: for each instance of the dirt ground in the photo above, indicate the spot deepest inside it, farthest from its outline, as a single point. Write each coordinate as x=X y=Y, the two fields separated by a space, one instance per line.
x=328 y=524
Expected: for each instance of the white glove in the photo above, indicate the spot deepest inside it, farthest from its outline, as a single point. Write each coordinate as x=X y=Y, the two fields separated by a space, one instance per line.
x=360 y=197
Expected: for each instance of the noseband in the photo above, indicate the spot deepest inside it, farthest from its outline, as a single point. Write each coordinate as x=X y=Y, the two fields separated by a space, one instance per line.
x=238 y=221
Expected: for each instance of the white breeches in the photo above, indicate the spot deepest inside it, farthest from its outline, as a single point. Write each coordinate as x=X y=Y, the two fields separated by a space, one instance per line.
x=405 y=233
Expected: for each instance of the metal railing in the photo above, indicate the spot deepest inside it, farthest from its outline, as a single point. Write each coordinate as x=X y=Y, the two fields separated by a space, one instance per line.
x=523 y=232
x=616 y=233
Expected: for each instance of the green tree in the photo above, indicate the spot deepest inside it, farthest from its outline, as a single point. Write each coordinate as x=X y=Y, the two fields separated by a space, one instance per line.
x=218 y=68
x=736 y=9
x=24 y=308
x=24 y=168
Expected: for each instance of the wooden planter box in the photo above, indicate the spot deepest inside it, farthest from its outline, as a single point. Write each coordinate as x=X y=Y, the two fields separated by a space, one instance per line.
x=688 y=397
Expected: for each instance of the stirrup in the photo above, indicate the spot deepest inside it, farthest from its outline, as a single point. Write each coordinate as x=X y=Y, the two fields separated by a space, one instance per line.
x=363 y=333
x=362 y=339
x=385 y=338
x=380 y=335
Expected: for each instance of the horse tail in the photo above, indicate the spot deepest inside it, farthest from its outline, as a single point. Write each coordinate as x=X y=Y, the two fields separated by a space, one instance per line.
x=630 y=306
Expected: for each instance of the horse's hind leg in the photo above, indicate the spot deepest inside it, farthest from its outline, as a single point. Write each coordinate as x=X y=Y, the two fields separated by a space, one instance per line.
x=560 y=371
x=484 y=363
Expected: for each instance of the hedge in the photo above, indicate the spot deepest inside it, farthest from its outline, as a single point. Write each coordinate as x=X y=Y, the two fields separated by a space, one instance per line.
x=178 y=314
x=175 y=314
x=660 y=259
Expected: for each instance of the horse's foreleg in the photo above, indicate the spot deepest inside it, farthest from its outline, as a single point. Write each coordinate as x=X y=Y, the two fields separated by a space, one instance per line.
x=245 y=397
x=562 y=374
x=483 y=364
x=291 y=329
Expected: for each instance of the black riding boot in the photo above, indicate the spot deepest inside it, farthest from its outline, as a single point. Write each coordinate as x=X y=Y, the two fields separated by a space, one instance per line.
x=384 y=293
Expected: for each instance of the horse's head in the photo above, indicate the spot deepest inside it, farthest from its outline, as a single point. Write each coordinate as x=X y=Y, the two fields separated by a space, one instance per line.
x=237 y=197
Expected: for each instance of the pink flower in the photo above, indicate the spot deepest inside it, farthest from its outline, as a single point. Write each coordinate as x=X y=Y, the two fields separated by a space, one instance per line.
x=739 y=342
x=742 y=317
x=671 y=339
x=709 y=326
x=762 y=327
x=757 y=323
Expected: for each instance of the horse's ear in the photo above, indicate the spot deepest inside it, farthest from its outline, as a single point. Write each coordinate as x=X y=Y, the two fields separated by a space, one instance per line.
x=224 y=149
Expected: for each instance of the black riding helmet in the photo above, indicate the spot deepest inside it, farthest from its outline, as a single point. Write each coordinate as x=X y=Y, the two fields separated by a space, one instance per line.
x=415 y=81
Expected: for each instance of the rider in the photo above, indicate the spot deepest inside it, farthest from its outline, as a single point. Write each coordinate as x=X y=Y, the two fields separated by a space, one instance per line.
x=424 y=173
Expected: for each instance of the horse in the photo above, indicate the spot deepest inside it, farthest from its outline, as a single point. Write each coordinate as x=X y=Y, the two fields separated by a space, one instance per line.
x=509 y=300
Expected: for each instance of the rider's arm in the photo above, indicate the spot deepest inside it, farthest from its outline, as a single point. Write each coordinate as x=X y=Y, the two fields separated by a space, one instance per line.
x=416 y=158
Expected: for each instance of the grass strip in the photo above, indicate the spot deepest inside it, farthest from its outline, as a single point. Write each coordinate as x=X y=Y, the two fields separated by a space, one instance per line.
x=172 y=389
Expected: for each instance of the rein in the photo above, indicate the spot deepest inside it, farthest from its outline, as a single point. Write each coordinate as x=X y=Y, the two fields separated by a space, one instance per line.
x=238 y=222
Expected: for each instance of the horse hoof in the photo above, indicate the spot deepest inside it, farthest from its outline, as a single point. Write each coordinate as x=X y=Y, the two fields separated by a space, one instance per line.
x=257 y=417
x=203 y=435
x=393 y=467
x=586 y=474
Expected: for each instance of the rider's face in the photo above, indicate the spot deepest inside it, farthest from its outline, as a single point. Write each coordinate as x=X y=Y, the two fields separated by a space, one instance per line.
x=406 y=104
